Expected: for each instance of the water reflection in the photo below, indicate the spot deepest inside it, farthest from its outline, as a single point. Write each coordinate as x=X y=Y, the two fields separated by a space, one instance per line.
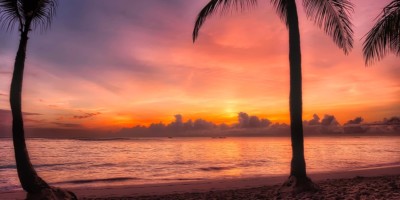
x=71 y=162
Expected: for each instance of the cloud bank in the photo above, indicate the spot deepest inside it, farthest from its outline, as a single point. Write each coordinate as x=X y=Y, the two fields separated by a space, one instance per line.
x=246 y=125
x=254 y=126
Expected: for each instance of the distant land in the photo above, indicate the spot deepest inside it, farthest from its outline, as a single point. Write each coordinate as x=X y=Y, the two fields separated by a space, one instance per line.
x=246 y=126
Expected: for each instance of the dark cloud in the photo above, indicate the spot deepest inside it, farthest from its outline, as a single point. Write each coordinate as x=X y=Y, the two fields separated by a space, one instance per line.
x=355 y=129
x=201 y=124
x=66 y=132
x=201 y=127
x=3 y=111
x=197 y=124
x=314 y=121
x=354 y=126
x=86 y=115
x=246 y=126
x=329 y=120
x=328 y=125
x=357 y=120
x=6 y=116
x=68 y=125
x=254 y=126
x=392 y=121
x=175 y=128
x=5 y=73
x=386 y=126
x=34 y=120
x=246 y=121
x=243 y=119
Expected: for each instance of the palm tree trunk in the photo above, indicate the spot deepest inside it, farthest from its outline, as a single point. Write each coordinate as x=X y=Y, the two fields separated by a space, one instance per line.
x=298 y=164
x=28 y=177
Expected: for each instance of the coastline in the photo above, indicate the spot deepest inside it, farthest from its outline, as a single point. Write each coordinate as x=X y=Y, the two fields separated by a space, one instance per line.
x=229 y=133
x=221 y=186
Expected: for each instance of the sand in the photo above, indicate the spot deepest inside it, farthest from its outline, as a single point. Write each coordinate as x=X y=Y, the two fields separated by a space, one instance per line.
x=386 y=187
x=374 y=183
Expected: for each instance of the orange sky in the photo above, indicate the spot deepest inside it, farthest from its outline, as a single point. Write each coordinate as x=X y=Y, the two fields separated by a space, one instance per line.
x=112 y=66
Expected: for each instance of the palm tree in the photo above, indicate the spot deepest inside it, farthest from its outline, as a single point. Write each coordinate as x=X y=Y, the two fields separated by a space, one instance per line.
x=333 y=17
x=384 y=37
x=27 y=14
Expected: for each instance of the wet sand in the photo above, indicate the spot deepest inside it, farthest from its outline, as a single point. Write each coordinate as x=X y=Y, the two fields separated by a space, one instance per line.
x=385 y=188
x=374 y=183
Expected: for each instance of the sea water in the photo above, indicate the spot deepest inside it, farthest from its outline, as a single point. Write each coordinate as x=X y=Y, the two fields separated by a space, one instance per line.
x=114 y=162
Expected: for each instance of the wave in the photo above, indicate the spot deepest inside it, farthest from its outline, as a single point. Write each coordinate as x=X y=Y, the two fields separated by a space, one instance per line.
x=253 y=163
x=8 y=167
x=378 y=165
x=100 y=139
x=117 y=139
x=41 y=165
x=215 y=168
x=9 y=188
x=180 y=163
x=104 y=165
x=182 y=179
x=107 y=180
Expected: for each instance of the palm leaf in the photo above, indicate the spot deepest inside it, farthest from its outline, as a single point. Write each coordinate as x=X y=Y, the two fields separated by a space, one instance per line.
x=35 y=12
x=40 y=12
x=281 y=9
x=219 y=5
x=385 y=35
x=334 y=17
x=10 y=14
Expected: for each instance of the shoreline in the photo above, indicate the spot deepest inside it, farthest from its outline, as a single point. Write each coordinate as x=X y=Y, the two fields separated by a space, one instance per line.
x=204 y=186
x=222 y=136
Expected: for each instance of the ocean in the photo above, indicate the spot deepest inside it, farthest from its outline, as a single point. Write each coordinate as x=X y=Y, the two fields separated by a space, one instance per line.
x=114 y=162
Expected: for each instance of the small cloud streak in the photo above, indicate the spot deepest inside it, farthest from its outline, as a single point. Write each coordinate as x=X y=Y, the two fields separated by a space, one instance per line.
x=86 y=115
x=67 y=125
x=31 y=114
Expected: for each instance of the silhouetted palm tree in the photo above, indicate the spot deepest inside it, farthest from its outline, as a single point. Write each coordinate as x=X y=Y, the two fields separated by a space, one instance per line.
x=27 y=14
x=333 y=17
x=385 y=35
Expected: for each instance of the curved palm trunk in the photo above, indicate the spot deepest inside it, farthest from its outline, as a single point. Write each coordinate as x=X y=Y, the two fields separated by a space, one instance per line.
x=298 y=164
x=30 y=181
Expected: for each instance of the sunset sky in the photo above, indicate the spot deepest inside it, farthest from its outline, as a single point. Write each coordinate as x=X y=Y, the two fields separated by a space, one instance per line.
x=113 y=64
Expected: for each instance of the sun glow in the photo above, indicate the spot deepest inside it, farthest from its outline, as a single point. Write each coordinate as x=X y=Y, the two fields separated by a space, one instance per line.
x=141 y=74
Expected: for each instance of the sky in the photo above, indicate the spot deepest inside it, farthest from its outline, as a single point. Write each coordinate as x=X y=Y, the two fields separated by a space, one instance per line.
x=116 y=64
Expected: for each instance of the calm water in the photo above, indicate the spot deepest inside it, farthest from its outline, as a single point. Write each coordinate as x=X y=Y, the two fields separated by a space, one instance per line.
x=87 y=163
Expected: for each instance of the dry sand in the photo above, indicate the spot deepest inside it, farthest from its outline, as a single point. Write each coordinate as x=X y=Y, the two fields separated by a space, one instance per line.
x=376 y=183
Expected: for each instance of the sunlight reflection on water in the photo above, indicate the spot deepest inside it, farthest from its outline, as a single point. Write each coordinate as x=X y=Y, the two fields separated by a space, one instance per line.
x=72 y=163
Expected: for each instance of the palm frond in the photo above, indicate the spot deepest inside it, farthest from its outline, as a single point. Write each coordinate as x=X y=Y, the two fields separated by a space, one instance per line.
x=281 y=9
x=222 y=6
x=334 y=17
x=40 y=12
x=384 y=36
x=37 y=13
x=10 y=14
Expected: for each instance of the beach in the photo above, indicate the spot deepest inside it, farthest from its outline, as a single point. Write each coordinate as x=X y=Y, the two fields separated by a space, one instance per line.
x=384 y=187
x=373 y=183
